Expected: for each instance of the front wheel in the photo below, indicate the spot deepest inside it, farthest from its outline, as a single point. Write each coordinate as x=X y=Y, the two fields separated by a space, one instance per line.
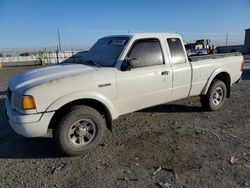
x=215 y=97
x=80 y=130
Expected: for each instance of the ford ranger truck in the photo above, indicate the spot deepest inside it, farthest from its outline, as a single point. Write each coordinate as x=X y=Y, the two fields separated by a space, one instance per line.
x=120 y=74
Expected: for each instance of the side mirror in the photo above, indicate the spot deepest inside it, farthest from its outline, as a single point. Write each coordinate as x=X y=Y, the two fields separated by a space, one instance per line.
x=133 y=62
x=129 y=63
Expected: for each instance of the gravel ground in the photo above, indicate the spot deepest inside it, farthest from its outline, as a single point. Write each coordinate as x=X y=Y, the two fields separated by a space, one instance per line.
x=177 y=143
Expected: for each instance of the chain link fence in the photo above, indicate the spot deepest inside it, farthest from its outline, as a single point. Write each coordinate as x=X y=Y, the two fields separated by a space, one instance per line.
x=39 y=57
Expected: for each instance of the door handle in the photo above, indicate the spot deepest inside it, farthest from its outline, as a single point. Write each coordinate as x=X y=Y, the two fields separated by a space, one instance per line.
x=165 y=72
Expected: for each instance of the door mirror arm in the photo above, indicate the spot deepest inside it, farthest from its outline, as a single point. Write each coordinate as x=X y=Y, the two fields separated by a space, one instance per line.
x=127 y=64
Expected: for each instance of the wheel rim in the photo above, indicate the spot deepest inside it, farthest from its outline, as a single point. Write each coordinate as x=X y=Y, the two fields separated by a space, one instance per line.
x=82 y=132
x=218 y=95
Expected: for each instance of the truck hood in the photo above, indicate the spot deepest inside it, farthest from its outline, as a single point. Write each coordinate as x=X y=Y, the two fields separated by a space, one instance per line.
x=21 y=82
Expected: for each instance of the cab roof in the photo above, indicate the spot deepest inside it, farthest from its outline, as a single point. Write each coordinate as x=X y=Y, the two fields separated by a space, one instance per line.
x=147 y=35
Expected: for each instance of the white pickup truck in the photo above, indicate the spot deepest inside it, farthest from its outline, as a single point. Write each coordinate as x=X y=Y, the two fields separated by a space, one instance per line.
x=120 y=74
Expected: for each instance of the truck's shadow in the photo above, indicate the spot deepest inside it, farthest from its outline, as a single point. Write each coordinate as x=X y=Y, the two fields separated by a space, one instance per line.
x=173 y=108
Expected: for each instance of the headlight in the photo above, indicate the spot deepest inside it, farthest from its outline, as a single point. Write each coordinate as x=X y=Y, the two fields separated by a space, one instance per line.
x=26 y=102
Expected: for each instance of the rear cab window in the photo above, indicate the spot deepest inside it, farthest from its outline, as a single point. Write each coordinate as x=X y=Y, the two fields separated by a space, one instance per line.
x=176 y=50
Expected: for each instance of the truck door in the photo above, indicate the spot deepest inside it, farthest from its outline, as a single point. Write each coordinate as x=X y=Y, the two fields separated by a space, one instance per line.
x=148 y=82
x=182 y=72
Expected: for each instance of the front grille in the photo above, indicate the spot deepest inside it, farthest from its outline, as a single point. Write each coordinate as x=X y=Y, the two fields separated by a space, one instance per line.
x=9 y=94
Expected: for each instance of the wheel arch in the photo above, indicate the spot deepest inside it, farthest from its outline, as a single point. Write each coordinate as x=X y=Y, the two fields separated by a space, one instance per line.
x=99 y=106
x=219 y=74
x=99 y=102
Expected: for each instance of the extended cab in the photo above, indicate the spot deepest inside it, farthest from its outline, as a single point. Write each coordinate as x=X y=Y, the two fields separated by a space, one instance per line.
x=120 y=74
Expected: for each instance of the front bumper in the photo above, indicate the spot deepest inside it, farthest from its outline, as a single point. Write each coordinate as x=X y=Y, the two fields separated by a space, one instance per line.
x=28 y=125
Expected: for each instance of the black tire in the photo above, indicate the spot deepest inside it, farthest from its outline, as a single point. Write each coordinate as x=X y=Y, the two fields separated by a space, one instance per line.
x=72 y=134
x=216 y=92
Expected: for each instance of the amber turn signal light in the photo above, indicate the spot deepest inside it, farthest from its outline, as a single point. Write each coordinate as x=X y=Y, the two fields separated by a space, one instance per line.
x=28 y=103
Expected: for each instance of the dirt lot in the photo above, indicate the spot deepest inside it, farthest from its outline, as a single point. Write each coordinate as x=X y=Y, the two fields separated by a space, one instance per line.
x=193 y=147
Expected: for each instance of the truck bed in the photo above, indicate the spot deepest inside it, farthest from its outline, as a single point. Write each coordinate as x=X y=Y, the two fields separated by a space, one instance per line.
x=213 y=56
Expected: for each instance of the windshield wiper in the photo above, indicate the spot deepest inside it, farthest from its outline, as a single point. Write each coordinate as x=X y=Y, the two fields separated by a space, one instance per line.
x=96 y=63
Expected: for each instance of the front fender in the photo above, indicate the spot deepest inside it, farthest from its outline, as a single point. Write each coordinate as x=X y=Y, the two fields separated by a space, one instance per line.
x=84 y=95
x=212 y=76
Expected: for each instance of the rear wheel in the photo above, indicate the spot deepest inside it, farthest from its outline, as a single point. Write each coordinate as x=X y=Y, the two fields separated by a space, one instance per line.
x=215 y=97
x=80 y=130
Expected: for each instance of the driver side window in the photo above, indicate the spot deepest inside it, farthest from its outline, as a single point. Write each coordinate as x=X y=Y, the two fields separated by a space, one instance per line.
x=146 y=53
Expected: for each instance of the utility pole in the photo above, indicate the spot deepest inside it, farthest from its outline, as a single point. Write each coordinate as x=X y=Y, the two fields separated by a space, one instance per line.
x=59 y=40
x=57 y=57
x=226 y=38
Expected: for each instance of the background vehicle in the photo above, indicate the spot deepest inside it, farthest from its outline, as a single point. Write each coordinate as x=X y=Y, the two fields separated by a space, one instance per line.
x=190 y=49
x=200 y=47
x=204 y=47
x=120 y=74
x=201 y=51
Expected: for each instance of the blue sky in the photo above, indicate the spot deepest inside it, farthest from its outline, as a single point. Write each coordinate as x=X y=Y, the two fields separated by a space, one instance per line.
x=33 y=24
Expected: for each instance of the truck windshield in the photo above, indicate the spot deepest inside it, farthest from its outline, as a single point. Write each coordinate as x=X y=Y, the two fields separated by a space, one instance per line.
x=106 y=51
